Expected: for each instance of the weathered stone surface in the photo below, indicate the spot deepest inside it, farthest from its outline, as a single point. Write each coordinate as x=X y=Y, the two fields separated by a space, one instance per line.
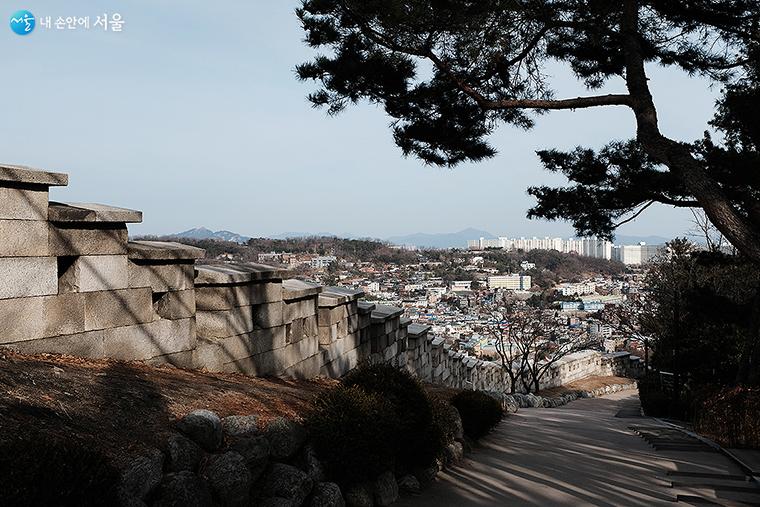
x=241 y=425
x=183 y=489
x=285 y=438
x=299 y=309
x=328 y=316
x=161 y=277
x=359 y=495
x=141 y=475
x=23 y=203
x=334 y=296
x=417 y=330
x=327 y=494
x=40 y=317
x=19 y=174
x=23 y=238
x=109 y=309
x=203 y=427
x=299 y=289
x=225 y=274
x=149 y=340
x=225 y=323
x=93 y=273
x=90 y=212
x=384 y=313
x=226 y=350
x=229 y=478
x=176 y=305
x=309 y=463
x=88 y=344
x=163 y=251
x=286 y=481
x=300 y=329
x=22 y=277
x=92 y=239
x=234 y=296
x=255 y=451
x=454 y=452
x=385 y=489
x=182 y=454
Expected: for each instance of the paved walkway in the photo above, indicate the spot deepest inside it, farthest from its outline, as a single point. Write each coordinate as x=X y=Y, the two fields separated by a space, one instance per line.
x=579 y=454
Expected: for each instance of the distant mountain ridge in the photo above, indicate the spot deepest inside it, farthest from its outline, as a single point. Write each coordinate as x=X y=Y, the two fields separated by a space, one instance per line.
x=204 y=233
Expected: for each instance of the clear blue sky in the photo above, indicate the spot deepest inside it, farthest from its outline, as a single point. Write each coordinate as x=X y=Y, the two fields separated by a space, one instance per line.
x=192 y=114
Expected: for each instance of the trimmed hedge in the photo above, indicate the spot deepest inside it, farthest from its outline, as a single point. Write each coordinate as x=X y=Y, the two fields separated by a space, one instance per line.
x=352 y=432
x=480 y=413
x=420 y=440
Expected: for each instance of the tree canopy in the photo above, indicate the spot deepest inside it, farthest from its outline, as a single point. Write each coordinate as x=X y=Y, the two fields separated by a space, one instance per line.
x=448 y=72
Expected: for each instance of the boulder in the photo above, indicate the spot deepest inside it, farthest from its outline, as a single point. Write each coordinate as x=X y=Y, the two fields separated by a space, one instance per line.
x=426 y=475
x=327 y=494
x=229 y=478
x=453 y=453
x=182 y=454
x=385 y=490
x=285 y=438
x=255 y=452
x=240 y=426
x=410 y=485
x=203 y=427
x=286 y=481
x=141 y=474
x=182 y=489
x=359 y=495
x=310 y=463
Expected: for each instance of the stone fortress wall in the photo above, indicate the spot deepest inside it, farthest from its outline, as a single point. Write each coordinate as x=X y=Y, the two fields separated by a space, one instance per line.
x=71 y=282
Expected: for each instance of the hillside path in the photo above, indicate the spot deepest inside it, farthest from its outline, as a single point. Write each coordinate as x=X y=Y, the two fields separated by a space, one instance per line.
x=584 y=453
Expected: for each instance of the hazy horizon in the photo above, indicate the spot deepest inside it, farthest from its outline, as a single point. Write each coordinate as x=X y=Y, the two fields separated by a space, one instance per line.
x=201 y=124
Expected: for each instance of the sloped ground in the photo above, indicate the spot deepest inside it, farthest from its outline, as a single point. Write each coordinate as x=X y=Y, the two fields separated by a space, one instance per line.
x=122 y=407
x=586 y=384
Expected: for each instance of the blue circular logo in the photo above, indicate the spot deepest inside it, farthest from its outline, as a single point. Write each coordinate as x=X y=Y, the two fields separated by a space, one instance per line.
x=22 y=22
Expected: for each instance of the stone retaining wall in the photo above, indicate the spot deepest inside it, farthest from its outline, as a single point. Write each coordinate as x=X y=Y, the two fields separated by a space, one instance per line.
x=71 y=282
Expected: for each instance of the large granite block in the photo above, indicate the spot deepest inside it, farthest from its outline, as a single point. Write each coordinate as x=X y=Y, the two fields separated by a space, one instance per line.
x=176 y=305
x=117 y=308
x=81 y=345
x=234 y=348
x=332 y=315
x=68 y=239
x=268 y=315
x=91 y=212
x=302 y=328
x=28 y=276
x=299 y=309
x=34 y=318
x=23 y=238
x=92 y=273
x=23 y=203
x=163 y=251
x=226 y=297
x=225 y=323
x=161 y=277
x=153 y=339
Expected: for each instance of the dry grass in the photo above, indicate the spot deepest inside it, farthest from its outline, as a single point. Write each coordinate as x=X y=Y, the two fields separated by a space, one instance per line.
x=123 y=406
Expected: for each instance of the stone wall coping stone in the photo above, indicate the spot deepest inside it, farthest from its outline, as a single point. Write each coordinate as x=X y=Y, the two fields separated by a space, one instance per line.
x=163 y=251
x=365 y=307
x=334 y=296
x=299 y=289
x=91 y=212
x=405 y=322
x=416 y=330
x=437 y=342
x=386 y=312
x=222 y=274
x=27 y=175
